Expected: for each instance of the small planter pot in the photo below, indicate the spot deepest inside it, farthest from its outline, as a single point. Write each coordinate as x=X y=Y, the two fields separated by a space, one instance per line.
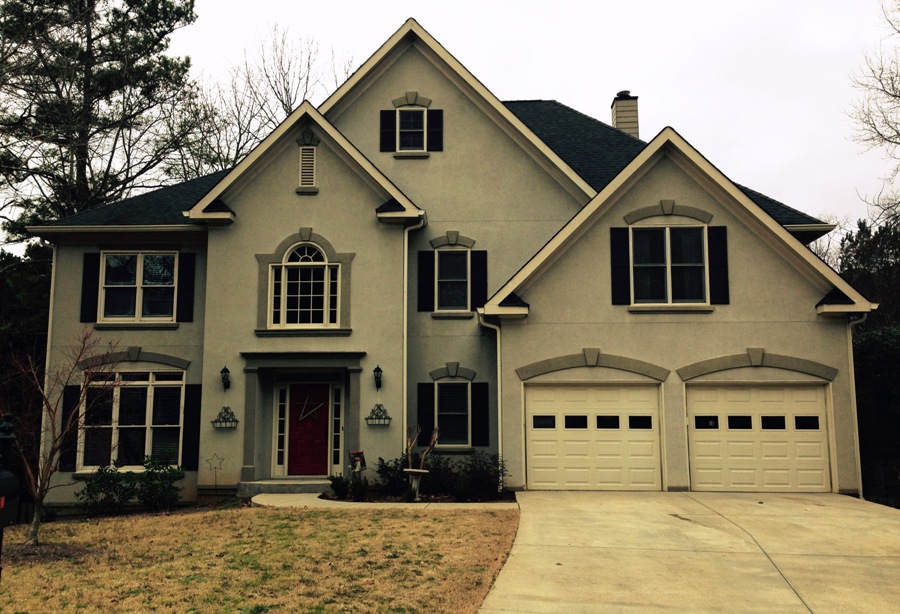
x=224 y=424
x=415 y=479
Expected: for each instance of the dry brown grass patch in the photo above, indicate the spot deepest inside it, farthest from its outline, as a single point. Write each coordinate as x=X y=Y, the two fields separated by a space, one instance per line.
x=261 y=560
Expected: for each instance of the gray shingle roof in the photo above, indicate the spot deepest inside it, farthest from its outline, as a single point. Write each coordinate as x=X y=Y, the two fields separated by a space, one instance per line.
x=162 y=207
x=598 y=152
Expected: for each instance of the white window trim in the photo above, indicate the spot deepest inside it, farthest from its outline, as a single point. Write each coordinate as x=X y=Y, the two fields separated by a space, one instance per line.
x=437 y=279
x=437 y=408
x=150 y=383
x=138 y=307
x=328 y=266
x=669 y=301
x=424 y=112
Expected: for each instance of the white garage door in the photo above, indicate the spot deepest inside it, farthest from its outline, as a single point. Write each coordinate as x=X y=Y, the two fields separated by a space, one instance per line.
x=758 y=438
x=592 y=438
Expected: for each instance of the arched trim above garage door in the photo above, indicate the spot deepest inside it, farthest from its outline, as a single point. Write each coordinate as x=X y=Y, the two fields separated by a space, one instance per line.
x=757 y=357
x=592 y=357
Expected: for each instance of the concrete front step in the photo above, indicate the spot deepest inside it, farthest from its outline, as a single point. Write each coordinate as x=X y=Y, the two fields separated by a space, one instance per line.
x=283 y=486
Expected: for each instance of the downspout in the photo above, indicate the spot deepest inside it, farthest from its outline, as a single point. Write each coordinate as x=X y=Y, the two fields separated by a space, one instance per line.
x=483 y=322
x=853 y=322
x=404 y=399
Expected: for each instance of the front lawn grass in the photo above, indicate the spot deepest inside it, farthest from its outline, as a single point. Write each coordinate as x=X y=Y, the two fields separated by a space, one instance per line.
x=259 y=560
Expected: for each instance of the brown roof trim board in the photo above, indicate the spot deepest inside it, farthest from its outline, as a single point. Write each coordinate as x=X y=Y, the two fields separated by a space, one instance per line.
x=669 y=142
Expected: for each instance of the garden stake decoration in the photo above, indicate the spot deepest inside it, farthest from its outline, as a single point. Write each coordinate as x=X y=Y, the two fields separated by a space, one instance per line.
x=215 y=464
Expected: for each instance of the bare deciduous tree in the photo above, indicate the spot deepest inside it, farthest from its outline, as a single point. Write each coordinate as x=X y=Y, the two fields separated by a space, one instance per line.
x=828 y=248
x=877 y=111
x=236 y=114
x=44 y=437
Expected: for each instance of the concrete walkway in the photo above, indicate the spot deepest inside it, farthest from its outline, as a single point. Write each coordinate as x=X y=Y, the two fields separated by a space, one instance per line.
x=700 y=552
x=312 y=500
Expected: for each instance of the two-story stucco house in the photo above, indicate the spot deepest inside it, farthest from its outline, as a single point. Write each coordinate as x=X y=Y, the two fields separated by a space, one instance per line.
x=604 y=312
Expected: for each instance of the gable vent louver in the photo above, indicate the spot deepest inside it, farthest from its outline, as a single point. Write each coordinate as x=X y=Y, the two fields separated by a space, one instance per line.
x=307 y=167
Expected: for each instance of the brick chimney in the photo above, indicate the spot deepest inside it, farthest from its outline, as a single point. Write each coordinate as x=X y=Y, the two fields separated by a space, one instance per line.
x=625 y=113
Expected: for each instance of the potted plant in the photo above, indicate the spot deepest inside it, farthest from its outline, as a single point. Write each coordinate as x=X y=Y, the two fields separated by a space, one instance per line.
x=415 y=475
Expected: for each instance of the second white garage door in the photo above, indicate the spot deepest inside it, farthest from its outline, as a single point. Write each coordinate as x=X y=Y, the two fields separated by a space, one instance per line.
x=758 y=438
x=592 y=438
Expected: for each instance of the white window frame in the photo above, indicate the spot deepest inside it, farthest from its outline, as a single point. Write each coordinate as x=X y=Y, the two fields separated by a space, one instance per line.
x=668 y=264
x=416 y=109
x=437 y=411
x=138 y=286
x=115 y=388
x=331 y=279
x=437 y=279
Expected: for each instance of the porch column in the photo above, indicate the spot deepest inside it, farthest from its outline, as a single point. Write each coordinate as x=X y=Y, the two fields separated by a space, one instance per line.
x=251 y=392
x=352 y=416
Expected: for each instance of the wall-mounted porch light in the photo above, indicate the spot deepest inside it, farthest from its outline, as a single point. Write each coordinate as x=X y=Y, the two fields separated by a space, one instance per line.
x=377 y=372
x=226 y=378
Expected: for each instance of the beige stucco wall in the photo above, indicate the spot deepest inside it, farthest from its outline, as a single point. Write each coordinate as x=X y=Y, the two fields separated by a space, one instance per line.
x=483 y=184
x=269 y=211
x=184 y=342
x=772 y=306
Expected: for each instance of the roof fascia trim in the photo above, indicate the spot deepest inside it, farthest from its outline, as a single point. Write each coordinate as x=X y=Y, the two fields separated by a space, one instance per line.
x=40 y=231
x=669 y=138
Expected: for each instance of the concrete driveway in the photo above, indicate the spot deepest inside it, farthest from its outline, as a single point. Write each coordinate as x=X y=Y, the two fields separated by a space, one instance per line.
x=700 y=552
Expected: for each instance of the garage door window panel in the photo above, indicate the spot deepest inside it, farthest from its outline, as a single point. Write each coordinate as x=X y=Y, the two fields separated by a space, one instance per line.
x=772 y=423
x=543 y=422
x=610 y=423
x=576 y=422
x=740 y=423
x=640 y=423
x=806 y=423
x=706 y=423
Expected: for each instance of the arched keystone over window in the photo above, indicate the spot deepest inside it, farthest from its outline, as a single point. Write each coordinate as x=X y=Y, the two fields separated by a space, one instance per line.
x=304 y=288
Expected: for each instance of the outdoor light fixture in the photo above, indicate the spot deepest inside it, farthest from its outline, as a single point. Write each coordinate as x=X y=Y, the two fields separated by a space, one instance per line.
x=377 y=371
x=226 y=378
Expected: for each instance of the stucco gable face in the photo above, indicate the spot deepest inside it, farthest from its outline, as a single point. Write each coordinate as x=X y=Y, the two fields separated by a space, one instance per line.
x=765 y=278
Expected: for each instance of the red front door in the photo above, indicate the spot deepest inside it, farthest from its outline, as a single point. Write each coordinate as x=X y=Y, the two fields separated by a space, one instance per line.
x=308 y=432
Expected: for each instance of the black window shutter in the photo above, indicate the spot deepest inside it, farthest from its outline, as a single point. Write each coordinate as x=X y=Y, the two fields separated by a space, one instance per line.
x=90 y=287
x=478 y=287
x=620 y=273
x=435 y=130
x=481 y=431
x=68 y=452
x=425 y=416
x=190 y=433
x=718 y=265
x=185 y=308
x=426 y=281
x=389 y=130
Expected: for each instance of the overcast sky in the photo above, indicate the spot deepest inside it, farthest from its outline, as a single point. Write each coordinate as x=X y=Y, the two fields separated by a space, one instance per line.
x=761 y=88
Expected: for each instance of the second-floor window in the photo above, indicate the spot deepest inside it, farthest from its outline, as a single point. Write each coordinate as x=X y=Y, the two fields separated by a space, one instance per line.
x=138 y=286
x=669 y=264
x=304 y=289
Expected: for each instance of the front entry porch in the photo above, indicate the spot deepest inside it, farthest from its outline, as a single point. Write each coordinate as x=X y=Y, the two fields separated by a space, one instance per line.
x=301 y=415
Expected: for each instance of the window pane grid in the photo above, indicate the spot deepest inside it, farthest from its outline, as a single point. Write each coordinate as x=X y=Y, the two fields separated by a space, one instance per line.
x=139 y=286
x=453 y=413
x=129 y=417
x=668 y=265
x=411 y=130
x=453 y=280
x=305 y=292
